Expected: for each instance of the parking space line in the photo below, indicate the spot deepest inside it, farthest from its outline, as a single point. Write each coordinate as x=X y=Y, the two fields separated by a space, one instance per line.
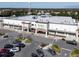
x=66 y=49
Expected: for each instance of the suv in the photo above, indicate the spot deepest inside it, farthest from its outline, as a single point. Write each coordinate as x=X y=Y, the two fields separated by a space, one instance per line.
x=72 y=42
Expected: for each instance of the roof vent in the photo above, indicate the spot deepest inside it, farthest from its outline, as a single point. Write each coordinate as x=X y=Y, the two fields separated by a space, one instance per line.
x=35 y=17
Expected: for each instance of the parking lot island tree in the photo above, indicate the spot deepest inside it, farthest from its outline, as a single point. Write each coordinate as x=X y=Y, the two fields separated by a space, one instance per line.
x=74 y=53
x=24 y=40
x=57 y=48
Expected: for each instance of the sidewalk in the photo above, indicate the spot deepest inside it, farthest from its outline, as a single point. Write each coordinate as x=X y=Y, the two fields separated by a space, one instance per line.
x=31 y=33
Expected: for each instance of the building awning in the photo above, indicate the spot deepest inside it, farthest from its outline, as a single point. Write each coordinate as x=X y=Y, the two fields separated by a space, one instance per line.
x=39 y=29
x=25 y=23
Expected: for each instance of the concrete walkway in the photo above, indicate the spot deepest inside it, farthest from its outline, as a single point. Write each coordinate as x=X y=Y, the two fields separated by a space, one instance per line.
x=31 y=33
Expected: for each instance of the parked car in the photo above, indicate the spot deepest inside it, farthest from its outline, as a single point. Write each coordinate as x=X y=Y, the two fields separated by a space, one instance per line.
x=34 y=55
x=19 y=44
x=40 y=52
x=15 y=49
x=10 y=54
x=52 y=52
x=5 y=53
x=12 y=48
x=72 y=42
x=4 y=50
x=9 y=46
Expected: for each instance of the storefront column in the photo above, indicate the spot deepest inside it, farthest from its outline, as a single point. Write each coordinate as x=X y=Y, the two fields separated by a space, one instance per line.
x=56 y=31
x=36 y=29
x=22 y=28
x=46 y=33
x=77 y=38
x=28 y=29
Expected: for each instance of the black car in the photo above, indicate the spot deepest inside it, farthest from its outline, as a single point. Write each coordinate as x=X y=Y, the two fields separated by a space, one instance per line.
x=34 y=55
x=8 y=46
x=72 y=42
x=10 y=54
x=40 y=52
x=52 y=51
x=6 y=54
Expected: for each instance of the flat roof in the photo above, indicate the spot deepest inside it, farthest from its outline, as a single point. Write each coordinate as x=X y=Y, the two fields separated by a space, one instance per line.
x=44 y=18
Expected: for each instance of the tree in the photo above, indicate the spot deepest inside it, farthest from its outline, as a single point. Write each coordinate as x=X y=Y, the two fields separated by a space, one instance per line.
x=75 y=53
x=56 y=48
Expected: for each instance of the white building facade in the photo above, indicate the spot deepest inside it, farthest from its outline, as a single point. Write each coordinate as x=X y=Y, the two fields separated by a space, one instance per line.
x=47 y=25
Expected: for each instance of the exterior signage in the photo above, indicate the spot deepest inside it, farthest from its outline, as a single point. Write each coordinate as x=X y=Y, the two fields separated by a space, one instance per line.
x=43 y=26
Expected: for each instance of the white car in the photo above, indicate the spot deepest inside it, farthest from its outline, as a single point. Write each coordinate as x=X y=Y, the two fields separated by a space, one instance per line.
x=15 y=49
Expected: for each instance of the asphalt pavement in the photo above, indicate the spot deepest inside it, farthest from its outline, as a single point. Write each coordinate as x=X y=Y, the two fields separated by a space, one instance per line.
x=36 y=41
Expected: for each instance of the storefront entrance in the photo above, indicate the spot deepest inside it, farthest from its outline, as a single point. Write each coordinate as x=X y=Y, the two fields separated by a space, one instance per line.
x=42 y=31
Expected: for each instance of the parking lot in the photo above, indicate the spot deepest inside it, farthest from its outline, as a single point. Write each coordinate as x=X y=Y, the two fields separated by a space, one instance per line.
x=36 y=41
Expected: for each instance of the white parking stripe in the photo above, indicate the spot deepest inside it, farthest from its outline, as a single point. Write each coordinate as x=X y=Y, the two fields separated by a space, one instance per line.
x=66 y=49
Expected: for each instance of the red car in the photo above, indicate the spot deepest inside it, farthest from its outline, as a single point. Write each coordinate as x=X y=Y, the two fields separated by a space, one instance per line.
x=5 y=53
x=3 y=50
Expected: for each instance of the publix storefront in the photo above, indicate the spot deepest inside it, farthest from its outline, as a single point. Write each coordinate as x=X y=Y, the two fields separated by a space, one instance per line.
x=42 y=27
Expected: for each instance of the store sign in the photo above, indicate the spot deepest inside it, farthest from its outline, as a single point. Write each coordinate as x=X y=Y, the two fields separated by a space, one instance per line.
x=39 y=25
x=44 y=26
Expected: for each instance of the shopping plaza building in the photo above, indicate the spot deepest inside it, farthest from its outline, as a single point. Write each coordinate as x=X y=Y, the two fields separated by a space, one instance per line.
x=45 y=24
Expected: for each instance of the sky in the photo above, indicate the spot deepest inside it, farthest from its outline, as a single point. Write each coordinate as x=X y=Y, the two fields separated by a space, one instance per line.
x=39 y=4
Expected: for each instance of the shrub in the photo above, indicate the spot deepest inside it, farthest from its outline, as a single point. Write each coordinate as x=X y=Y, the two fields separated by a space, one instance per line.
x=20 y=38
x=75 y=53
x=56 y=48
x=2 y=34
x=28 y=41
